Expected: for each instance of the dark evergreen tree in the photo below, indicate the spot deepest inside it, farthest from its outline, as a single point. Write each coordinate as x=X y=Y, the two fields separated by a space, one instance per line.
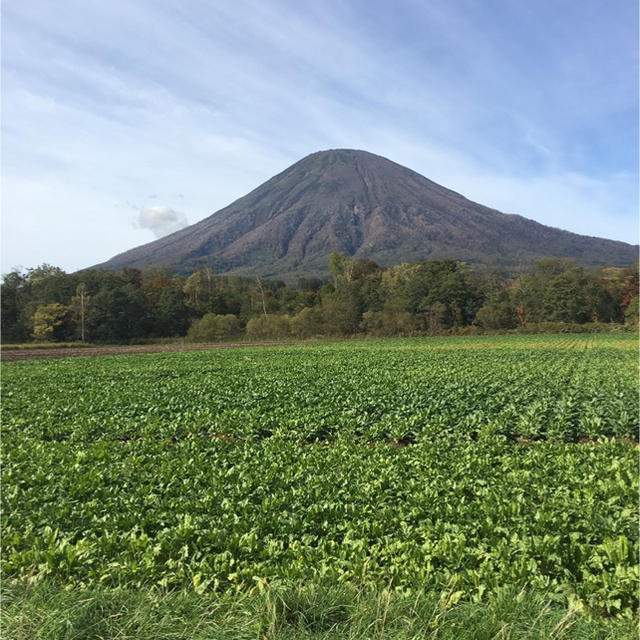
x=170 y=315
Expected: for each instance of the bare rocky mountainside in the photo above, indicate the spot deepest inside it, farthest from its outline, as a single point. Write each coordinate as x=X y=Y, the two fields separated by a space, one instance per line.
x=364 y=206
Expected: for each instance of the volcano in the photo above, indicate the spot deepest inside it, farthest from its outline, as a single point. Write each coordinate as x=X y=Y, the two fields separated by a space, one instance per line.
x=364 y=206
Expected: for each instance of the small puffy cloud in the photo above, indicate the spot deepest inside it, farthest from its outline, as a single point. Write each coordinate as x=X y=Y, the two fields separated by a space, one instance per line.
x=162 y=220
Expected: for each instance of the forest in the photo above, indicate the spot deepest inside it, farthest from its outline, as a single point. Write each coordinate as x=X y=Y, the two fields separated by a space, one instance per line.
x=45 y=304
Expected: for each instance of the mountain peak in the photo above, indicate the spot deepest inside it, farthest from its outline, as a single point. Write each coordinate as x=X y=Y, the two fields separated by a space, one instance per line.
x=365 y=206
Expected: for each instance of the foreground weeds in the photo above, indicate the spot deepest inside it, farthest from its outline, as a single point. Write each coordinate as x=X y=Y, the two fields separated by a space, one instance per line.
x=296 y=612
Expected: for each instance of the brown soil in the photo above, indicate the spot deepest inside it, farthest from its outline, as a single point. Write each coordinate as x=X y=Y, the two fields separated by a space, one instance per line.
x=36 y=354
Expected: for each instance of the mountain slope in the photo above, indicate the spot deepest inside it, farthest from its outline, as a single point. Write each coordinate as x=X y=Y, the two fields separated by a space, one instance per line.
x=364 y=206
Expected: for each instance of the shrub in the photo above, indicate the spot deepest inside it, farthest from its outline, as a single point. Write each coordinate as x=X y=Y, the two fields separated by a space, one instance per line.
x=213 y=327
x=270 y=326
x=307 y=323
x=389 y=323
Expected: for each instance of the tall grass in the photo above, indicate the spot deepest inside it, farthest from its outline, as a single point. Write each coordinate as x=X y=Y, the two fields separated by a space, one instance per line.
x=19 y=346
x=294 y=612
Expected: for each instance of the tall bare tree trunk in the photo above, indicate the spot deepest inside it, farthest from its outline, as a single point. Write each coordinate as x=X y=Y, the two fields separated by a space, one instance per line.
x=264 y=306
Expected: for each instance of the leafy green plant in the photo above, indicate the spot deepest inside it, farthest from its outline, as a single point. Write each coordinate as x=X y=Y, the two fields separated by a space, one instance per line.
x=457 y=465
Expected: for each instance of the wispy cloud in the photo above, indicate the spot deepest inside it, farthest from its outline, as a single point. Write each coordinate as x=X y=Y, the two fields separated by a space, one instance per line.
x=527 y=107
x=161 y=220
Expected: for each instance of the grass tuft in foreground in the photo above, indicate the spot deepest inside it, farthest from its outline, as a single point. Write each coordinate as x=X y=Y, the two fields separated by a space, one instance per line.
x=294 y=612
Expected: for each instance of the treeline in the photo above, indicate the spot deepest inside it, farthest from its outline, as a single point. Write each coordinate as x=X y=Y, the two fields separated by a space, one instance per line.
x=361 y=297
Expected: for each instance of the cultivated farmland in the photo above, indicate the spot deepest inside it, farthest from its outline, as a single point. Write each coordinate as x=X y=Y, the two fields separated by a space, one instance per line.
x=449 y=465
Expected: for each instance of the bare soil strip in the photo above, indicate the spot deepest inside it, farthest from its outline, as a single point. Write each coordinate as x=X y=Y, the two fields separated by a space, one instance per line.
x=36 y=354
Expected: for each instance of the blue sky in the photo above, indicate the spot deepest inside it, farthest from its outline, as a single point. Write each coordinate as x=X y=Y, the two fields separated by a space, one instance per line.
x=125 y=120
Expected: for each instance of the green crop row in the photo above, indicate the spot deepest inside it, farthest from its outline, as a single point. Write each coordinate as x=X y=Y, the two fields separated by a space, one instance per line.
x=408 y=390
x=461 y=465
x=219 y=515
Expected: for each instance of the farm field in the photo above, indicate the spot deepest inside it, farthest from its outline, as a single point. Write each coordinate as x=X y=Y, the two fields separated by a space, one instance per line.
x=457 y=467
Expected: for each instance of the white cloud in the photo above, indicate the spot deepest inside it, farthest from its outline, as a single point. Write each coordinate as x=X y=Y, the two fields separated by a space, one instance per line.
x=162 y=220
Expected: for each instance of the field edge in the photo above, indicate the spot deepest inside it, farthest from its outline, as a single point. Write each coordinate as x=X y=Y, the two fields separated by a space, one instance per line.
x=299 y=611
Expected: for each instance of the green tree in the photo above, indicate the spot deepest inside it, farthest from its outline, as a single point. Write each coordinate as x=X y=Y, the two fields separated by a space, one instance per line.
x=341 y=269
x=530 y=287
x=340 y=313
x=50 y=322
x=194 y=290
x=438 y=317
x=153 y=282
x=118 y=313
x=50 y=284
x=170 y=315
x=564 y=298
x=629 y=286
x=394 y=289
x=631 y=312
x=80 y=306
x=307 y=323
x=449 y=283
x=499 y=312
x=601 y=301
x=15 y=318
